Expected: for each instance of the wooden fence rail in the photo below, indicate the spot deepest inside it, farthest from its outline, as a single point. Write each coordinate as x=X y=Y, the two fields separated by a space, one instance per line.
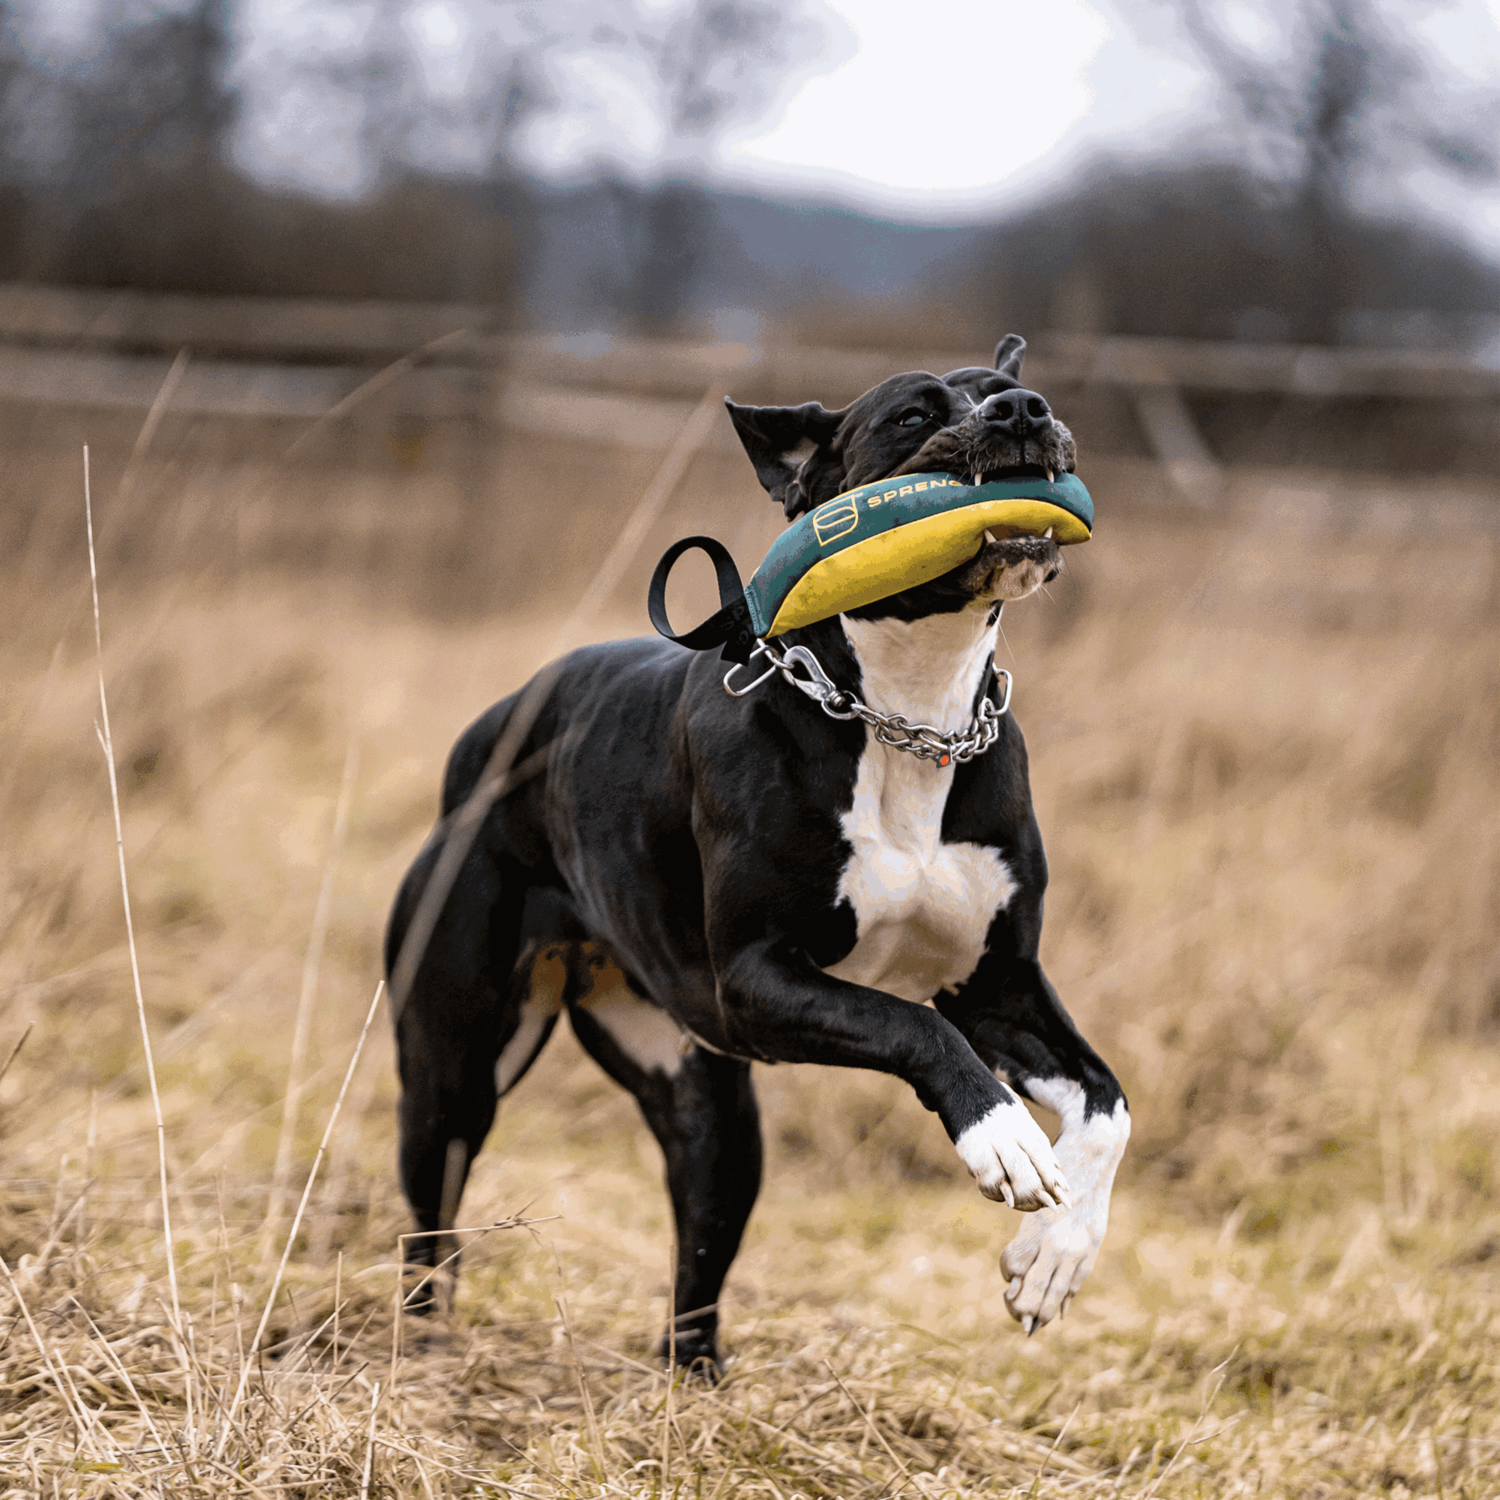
x=256 y=358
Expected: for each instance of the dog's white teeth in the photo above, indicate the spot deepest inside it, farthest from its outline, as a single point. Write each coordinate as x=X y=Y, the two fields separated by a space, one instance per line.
x=1050 y=476
x=978 y=479
x=1048 y=536
x=989 y=535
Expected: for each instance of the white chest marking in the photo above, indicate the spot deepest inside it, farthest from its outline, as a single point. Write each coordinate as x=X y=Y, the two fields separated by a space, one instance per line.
x=922 y=907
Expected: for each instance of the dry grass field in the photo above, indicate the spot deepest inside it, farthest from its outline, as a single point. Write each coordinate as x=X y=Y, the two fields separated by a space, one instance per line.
x=1264 y=758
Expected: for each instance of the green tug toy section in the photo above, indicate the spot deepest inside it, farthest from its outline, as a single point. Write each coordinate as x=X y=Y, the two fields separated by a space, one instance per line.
x=875 y=541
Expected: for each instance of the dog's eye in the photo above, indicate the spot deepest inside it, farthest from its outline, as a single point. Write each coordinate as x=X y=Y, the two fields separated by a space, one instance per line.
x=912 y=418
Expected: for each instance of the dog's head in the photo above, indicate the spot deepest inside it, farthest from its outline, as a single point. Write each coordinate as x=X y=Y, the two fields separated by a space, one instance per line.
x=972 y=423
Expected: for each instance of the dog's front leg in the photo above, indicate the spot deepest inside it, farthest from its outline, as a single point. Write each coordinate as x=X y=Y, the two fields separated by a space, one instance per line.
x=776 y=1005
x=1017 y=1025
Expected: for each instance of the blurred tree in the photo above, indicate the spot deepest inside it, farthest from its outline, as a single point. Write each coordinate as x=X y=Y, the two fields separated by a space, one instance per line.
x=1303 y=233
x=715 y=63
x=1333 y=103
x=15 y=203
x=663 y=81
x=1334 y=91
x=119 y=166
x=146 y=185
x=1206 y=251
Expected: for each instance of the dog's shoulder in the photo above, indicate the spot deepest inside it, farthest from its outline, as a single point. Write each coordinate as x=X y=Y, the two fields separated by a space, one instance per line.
x=637 y=670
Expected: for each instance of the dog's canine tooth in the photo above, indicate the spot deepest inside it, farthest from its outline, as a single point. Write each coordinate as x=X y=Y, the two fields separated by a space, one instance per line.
x=978 y=477
x=989 y=535
x=1050 y=476
x=1048 y=536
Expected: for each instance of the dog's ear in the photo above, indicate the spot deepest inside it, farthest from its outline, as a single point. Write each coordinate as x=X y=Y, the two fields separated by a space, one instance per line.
x=1009 y=353
x=771 y=433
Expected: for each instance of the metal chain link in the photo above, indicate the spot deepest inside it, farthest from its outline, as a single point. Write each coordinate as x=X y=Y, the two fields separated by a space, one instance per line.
x=926 y=741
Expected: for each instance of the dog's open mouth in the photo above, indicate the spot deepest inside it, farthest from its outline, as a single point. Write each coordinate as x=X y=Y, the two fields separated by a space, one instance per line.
x=973 y=453
x=983 y=473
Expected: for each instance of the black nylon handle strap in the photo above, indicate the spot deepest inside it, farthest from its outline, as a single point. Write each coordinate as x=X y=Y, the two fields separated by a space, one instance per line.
x=730 y=626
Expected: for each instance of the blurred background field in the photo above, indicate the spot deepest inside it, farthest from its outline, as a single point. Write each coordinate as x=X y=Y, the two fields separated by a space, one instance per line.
x=356 y=454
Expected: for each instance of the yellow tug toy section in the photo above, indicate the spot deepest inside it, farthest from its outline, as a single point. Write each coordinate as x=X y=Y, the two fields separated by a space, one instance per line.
x=915 y=553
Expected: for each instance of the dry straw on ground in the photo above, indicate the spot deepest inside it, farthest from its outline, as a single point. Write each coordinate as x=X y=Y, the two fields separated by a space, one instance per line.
x=1263 y=750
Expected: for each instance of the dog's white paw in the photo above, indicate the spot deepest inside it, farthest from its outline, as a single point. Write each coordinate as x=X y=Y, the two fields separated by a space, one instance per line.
x=1055 y=1250
x=1011 y=1159
x=1046 y=1264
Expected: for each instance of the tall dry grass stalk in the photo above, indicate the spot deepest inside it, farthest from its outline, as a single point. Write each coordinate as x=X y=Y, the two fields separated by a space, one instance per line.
x=157 y=410
x=247 y=1363
x=106 y=742
x=371 y=388
x=307 y=993
x=654 y=498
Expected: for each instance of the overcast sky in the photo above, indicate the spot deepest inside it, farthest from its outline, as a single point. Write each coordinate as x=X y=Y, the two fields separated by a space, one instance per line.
x=1030 y=90
x=1005 y=95
x=988 y=105
x=937 y=111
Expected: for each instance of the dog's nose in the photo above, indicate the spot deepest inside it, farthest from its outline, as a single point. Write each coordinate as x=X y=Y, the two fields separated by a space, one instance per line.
x=1017 y=413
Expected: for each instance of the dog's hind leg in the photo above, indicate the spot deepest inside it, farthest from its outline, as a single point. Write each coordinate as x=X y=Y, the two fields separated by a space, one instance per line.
x=701 y=1107
x=470 y=1026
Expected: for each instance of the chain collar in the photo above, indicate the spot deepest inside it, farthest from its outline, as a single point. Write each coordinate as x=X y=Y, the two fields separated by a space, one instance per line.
x=925 y=741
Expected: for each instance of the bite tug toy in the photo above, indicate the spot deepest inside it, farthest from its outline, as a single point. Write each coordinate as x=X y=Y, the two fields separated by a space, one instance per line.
x=866 y=545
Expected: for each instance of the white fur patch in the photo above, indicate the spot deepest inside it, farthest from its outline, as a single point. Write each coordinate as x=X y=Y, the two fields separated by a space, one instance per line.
x=922 y=907
x=540 y=1008
x=1053 y=1254
x=1011 y=1158
x=647 y=1035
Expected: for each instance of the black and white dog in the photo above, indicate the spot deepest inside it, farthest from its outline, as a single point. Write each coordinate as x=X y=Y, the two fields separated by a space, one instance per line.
x=703 y=881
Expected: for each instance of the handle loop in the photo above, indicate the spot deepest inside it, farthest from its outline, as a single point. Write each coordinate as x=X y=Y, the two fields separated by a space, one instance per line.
x=730 y=626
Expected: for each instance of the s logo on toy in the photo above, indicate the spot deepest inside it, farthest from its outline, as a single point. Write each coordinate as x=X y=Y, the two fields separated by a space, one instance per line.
x=837 y=518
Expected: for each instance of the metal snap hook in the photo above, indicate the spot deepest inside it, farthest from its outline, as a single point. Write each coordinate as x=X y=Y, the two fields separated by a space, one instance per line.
x=820 y=684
